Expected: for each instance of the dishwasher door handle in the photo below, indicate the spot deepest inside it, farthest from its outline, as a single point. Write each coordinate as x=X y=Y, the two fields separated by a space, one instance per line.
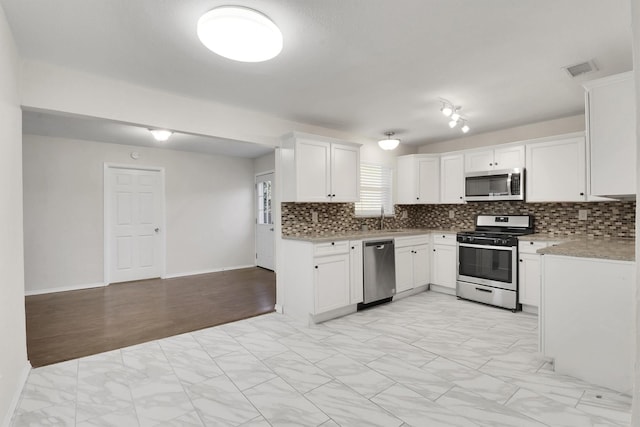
x=380 y=247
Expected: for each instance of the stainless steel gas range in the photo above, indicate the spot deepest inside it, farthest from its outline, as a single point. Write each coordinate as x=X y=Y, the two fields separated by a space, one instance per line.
x=488 y=260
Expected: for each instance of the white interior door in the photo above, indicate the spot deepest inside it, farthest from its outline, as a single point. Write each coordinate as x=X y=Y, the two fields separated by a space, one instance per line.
x=134 y=232
x=264 y=221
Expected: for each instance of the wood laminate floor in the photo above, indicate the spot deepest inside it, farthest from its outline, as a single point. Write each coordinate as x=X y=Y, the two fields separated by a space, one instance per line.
x=67 y=325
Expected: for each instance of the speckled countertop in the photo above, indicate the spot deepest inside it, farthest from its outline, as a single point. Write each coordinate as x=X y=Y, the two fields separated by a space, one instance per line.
x=369 y=234
x=541 y=237
x=613 y=249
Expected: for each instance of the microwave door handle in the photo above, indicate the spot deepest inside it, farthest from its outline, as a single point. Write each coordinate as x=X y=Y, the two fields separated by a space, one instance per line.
x=509 y=189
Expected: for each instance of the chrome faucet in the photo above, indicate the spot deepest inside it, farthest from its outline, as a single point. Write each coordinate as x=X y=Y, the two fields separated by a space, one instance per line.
x=381 y=217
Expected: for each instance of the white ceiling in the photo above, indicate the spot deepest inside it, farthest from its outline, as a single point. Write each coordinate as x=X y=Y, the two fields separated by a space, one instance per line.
x=359 y=66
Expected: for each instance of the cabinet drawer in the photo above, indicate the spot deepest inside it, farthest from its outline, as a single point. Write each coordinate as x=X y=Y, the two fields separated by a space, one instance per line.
x=401 y=242
x=331 y=248
x=531 y=246
x=444 y=239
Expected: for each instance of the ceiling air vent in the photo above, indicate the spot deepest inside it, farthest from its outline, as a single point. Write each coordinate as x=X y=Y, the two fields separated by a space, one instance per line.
x=582 y=68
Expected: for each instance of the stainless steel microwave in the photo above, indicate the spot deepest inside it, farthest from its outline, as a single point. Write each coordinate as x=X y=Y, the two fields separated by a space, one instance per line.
x=506 y=184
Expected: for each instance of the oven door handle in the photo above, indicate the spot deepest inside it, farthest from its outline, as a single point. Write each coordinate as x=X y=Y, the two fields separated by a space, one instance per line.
x=491 y=247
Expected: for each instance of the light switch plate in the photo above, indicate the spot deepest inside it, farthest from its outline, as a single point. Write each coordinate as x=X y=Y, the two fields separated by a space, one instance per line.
x=452 y=214
x=582 y=214
x=314 y=216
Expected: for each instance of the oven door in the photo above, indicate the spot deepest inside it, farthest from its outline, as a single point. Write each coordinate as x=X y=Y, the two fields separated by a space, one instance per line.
x=488 y=265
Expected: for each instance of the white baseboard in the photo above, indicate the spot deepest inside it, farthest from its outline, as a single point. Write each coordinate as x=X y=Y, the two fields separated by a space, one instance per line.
x=22 y=380
x=64 y=289
x=278 y=308
x=442 y=289
x=213 y=270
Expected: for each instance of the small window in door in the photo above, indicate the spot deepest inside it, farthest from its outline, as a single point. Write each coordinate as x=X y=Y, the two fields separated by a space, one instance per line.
x=264 y=203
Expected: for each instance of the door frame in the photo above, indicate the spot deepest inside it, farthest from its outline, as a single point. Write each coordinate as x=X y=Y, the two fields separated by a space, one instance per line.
x=107 y=216
x=255 y=215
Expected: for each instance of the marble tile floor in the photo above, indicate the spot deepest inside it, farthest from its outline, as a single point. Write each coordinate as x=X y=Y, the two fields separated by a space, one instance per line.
x=426 y=360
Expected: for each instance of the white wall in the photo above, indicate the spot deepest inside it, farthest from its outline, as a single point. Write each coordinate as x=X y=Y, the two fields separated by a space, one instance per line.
x=13 y=355
x=266 y=163
x=209 y=210
x=520 y=133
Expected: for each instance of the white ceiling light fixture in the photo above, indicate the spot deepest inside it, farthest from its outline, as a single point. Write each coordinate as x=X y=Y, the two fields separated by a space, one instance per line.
x=447 y=108
x=452 y=111
x=389 y=143
x=161 y=135
x=240 y=34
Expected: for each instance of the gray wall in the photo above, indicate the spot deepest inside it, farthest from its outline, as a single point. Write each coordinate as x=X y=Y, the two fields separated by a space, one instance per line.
x=209 y=210
x=519 y=133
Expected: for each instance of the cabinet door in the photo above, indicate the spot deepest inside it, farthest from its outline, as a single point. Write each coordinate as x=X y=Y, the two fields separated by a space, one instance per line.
x=428 y=180
x=356 y=281
x=452 y=178
x=407 y=180
x=478 y=161
x=611 y=119
x=313 y=170
x=345 y=173
x=443 y=267
x=556 y=171
x=421 y=255
x=331 y=283
x=529 y=276
x=509 y=157
x=404 y=269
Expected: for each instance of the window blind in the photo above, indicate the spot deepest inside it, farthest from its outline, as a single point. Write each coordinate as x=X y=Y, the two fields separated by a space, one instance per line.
x=375 y=190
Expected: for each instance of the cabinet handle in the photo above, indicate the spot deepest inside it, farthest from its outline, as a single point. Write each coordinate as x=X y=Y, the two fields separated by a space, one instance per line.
x=490 y=164
x=520 y=260
x=316 y=267
x=333 y=243
x=434 y=250
x=531 y=243
x=417 y=198
x=582 y=194
x=353 y=247
x=495 y=164
x=460 y=197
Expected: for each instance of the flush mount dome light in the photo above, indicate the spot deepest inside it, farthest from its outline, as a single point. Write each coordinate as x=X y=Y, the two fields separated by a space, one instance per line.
x=161 y=135
x=240 y=33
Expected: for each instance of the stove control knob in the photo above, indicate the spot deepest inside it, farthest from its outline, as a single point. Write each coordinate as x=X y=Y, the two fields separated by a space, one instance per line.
x=471 y=238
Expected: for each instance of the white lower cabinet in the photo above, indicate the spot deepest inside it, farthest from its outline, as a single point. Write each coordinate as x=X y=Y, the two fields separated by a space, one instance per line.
x=529 y=274
x=331 y=283
x=444 y=266
x=412 y=262
x=317 y=278
x=587 y=319
x=356 y=272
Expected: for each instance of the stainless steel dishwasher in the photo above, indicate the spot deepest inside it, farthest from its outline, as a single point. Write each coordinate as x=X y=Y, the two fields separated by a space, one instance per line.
x=379 y=272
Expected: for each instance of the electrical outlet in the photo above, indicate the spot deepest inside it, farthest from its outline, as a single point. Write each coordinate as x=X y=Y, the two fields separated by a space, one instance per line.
x=582 y=214
x=314 y=216
x=405 y=215
x=452 y=214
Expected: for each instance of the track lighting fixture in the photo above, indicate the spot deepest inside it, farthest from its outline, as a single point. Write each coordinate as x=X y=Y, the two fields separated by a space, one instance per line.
x=452 y=111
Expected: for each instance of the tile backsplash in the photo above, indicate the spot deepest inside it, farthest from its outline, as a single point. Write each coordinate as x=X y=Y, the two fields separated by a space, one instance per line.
x=604 y=219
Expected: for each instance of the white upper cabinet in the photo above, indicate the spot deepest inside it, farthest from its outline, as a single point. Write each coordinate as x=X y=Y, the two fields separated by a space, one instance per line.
x=418 y=179
x=345 y=173
x=319 y=169
x=452 y=178
x=610 y=114
x=500 y=158
x=556 y=171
